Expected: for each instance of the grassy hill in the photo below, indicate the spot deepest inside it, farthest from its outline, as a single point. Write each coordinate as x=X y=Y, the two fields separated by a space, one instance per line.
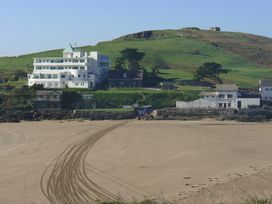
x=249 y=57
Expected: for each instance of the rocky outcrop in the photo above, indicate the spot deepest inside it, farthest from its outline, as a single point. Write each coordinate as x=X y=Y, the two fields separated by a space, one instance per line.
x=139 y=35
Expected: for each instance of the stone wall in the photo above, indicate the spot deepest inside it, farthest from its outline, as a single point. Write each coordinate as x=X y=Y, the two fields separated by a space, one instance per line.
x=65 y=115
x=192 y=114
x=103 y=115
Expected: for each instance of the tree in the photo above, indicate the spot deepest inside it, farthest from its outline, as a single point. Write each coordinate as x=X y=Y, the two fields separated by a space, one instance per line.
x=212 y=71
x=131 y=58
x=119 y=63
x=158 y=63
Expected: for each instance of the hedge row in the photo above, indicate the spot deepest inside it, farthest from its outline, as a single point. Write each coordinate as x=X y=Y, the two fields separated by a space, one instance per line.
x=160 y=99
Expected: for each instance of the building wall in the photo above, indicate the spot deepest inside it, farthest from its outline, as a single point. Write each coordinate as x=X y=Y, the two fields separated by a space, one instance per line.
x=87 y=69
x=125 y=83
x=226 y=99
x=246 y=102
x=221 y=100
x=200 y=103
x=266 y=93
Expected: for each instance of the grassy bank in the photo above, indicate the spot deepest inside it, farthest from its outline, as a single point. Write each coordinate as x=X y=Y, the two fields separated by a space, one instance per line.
x=247 y=56
x=117 y=98
x=112 y=100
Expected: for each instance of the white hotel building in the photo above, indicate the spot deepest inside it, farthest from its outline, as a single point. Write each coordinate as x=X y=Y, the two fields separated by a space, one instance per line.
x=75 y=69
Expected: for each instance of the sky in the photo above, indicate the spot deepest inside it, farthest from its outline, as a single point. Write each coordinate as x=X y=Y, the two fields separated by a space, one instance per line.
x=37 y=25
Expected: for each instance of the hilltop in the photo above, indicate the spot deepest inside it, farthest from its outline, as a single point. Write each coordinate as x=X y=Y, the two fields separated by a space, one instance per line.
x=248 y=56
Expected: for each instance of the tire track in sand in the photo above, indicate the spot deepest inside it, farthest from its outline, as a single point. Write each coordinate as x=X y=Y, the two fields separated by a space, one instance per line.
x=65 y=180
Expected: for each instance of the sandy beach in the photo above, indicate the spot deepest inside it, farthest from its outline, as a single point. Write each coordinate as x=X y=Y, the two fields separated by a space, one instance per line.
x=182 y=161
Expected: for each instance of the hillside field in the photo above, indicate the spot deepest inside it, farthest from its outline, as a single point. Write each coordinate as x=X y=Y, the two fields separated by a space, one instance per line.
x=249 y=57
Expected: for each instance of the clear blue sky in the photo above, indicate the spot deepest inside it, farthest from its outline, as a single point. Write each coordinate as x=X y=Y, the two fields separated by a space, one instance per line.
x=37 y=25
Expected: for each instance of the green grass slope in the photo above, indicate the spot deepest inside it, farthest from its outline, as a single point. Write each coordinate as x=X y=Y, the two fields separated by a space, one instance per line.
x=249 y=57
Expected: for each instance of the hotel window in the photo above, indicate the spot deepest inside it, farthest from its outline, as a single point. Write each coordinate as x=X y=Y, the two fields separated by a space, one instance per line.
x=230 y=96
x=79 y=76
x=221 y=96
x=103 y=64
x=36 y=76
x=62 y=76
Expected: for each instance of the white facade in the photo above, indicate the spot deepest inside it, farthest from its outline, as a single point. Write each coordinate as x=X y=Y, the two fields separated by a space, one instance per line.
x=265 y=88
x=75 y=69
x=244 y=103
x=199 y=103
x=225 y=97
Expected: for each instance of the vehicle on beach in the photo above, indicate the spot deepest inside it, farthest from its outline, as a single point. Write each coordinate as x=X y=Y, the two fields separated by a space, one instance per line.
x=145 y=112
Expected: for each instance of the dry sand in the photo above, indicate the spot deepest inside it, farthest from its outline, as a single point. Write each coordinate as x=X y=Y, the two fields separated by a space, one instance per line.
x=186 y=162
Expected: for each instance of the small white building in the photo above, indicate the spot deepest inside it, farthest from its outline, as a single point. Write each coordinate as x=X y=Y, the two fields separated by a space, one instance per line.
x=76 y=69
x=265 y=88
x=225 y=96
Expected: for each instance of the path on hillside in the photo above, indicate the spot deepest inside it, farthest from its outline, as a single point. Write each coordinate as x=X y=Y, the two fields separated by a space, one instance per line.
x=66 y=180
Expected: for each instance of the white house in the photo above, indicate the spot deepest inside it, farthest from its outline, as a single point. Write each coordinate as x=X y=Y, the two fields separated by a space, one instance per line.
x=225 y=96
x=265 y=88
x=76 y=69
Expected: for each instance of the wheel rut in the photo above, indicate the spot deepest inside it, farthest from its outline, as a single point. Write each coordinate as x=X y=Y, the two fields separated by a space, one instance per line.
x=65 y=180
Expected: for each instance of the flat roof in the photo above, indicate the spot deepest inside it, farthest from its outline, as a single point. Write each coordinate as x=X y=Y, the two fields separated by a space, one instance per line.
x=265 y=82
x=226 y=87
x=204 y=93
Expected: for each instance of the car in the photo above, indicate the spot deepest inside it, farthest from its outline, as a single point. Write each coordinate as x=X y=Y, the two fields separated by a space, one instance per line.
x=145 y=112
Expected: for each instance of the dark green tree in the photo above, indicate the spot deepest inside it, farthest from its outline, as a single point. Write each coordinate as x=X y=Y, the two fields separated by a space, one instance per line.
x=211 y=71
x=119 y=63
x=157 y=64
x=130 y=58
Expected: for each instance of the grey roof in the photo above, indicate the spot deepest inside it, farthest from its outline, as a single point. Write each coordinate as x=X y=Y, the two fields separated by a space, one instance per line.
x=265 y=82
x=244 y=94
x=48 y=92
x=226 y=87
x=115 y=74
x=204 y=93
